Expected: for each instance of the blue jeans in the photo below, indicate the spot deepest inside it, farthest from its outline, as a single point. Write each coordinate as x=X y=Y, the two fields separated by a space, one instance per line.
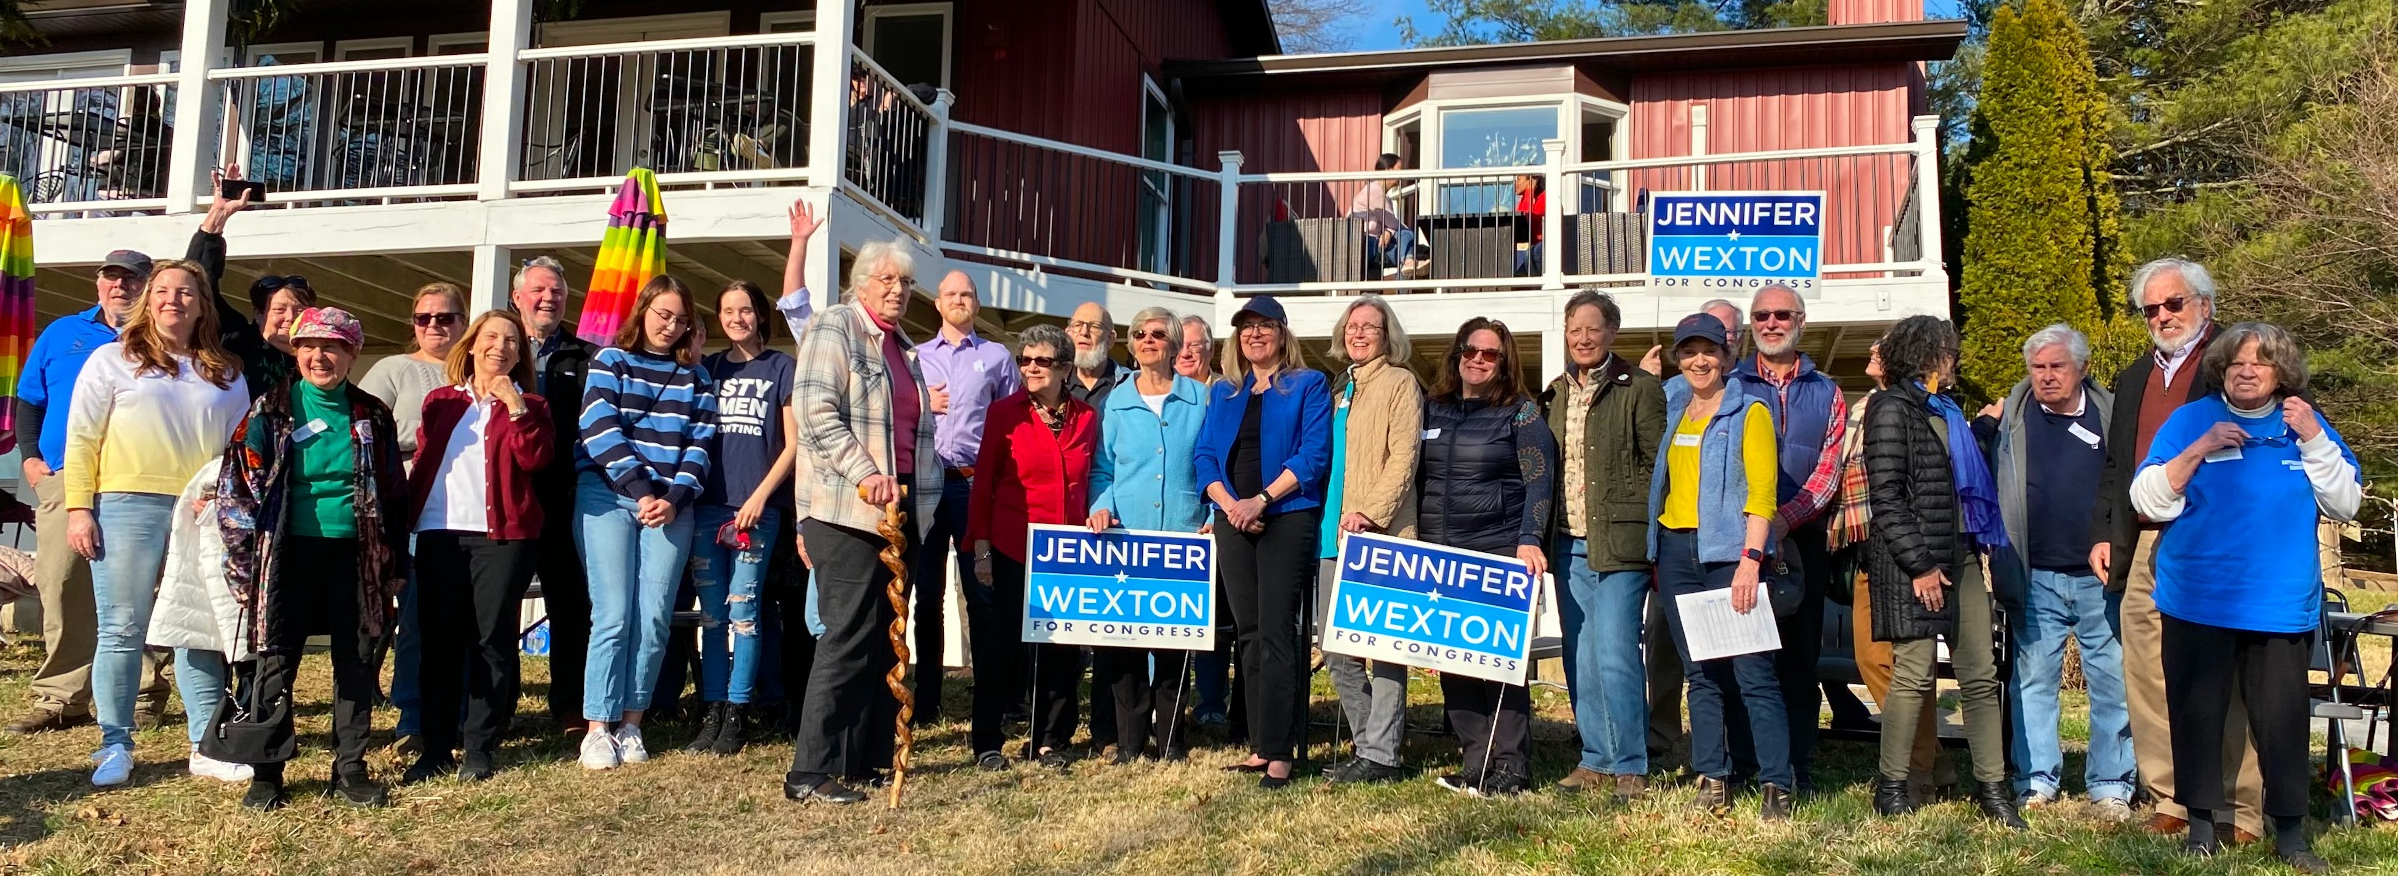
x=1602 y=612
x=2056 y=605
x=634 y=571
x=728 y=582
x=407 y=649
x=133 y=556
x=1678 y=572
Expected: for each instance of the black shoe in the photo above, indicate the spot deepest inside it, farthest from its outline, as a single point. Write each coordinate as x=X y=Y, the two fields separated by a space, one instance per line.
x=1360 y=771
x=991 y=760
x=733 y=731
x=1714 y=797
x=1123 y=757
x=1335 y=768
x=358 y=790
x=475 y=766
x=1997 y=801
x=824 y=790
x=1174 y=754
x=264 y=796
x=711 y=722
x=1773 y=804
x=428 y=767
x=1501 y=785
x=1271 y=782
x=2305 y=862
x=1892 y=798
x=1052 y=759
x=1463 y=783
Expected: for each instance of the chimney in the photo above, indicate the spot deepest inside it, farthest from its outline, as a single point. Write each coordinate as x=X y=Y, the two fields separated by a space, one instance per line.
x=1874 y=11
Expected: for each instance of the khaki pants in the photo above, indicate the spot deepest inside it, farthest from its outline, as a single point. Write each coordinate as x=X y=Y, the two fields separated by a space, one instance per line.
x=2144 y=690
x=1874 y=666
x=70 y=626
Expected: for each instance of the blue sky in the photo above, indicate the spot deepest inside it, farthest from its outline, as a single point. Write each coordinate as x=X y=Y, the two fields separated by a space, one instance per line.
x=1376 y=32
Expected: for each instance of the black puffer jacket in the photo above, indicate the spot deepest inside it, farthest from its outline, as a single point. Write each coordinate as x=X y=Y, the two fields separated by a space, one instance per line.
x=1485 y=477
x=1915 y=520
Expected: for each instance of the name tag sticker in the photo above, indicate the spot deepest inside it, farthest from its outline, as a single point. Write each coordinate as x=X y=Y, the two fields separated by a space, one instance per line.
x=1686 y=439
x=1430 y=434
x=2087 y=436
x=306 y=432
x=981 y=366
x=2225 y=455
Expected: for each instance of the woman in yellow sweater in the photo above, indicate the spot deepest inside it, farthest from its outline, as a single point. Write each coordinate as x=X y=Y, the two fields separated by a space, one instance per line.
x=150 y=410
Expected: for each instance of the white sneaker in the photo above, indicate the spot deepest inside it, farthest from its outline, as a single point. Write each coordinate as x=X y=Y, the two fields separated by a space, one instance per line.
x=211 y=768
x=628 y=744
x=115 y=765
x=599 y=751
x=2111 y=809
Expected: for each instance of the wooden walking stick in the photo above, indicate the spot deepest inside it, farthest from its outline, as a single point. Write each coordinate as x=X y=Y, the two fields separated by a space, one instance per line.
x=895 y=557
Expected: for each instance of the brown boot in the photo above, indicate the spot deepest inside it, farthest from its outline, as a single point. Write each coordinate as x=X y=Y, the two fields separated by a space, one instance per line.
x=1630 y=788
x=1584 y=779
x=41 y=720
x=2166 y=825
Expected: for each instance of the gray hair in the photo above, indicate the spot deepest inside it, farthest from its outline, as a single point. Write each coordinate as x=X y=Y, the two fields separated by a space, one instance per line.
x=1207 y=333
x=2273 y=345
x=1045 y=335
x=1395 y=345
x=1793 y=293
x=876 y=254
x=1173 y=327
x=2076 y=344
x=1720 y=302
x=2194 y=276
x=540 y=263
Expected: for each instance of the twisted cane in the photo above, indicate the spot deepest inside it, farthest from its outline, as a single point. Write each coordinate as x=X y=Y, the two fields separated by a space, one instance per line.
x=895 y=557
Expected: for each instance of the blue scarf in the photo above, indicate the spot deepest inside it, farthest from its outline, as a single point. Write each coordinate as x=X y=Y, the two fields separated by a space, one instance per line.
x=1977 y=493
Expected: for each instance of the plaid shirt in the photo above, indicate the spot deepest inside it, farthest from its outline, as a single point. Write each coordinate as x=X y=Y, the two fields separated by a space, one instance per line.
x=842 y=400
x=1852 y=513
x=1823 y=481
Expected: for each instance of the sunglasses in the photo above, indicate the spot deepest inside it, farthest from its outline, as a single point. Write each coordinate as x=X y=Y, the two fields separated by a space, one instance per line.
x=1484 y=355
x=1037 y=361
x=2170 y=305
x=428 y=320
x=1263 y=325
x=272 y=283
x=1764 y=316
x=1150 y=335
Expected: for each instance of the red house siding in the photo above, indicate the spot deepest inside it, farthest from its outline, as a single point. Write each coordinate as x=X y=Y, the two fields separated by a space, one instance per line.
x=1794 y=108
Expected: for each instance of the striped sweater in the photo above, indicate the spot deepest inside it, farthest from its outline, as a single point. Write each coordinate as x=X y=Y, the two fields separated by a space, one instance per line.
x=647 y=425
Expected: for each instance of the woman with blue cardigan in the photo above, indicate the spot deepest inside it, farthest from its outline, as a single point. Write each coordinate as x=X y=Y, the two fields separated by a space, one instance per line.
x=1139 y=481
x=2241 y=476
x=1710 y=503
x=1262 y=454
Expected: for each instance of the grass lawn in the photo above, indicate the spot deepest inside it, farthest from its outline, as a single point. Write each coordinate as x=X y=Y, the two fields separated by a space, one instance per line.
x=692 y=814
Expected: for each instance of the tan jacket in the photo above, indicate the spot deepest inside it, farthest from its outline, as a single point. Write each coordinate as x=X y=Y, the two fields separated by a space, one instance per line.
x=1386 y=416
x=842 y=400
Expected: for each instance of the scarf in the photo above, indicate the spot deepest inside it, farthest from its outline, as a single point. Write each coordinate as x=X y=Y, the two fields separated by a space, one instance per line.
x=1977 y=493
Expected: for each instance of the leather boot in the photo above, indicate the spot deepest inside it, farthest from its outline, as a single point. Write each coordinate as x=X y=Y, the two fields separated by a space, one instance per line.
x=1997 y=800
x=711 y=723
x=1714 y=796
x=733 y=730
x=1773 y=804
x=1891 y=798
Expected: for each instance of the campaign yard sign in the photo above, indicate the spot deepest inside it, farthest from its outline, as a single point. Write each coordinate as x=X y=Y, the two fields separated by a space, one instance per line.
x=1131 y=588
x=1735 y=241
x=1440 y=608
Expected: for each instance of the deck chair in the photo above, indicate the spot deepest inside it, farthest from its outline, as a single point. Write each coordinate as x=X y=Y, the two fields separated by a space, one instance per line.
x=2339 y=699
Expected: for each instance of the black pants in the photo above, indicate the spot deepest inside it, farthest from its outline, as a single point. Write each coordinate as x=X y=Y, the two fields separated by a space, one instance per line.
x=1794 y=664
x=1269 y=575
x=566 y=594
x=846 y=723
x=681 y=666
x=319 y=593
x=1056 y=694
x=1493 y=723
x=1147 y=706
x=2202 y=664
x=786 y=595
x=470 y=586
x=993 y=624
x=944 y=548
x=1666 y=681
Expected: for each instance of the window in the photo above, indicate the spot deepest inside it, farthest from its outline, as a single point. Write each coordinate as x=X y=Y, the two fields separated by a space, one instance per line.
x=911 y=41
x=1597 y=190
x=1156 y=196
x=39 y=130
x=1500 y=137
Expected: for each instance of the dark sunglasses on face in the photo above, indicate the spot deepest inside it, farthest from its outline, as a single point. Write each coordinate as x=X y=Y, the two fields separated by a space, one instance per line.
x=1764 y=316
x=428 y=320
x=1036 y=361
x=1149 y=335
x=2170 y=305
x=1481 y=354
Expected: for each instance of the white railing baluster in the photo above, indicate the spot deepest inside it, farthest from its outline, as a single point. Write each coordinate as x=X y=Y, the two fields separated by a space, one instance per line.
x=1552 y=216
x=1228 y=228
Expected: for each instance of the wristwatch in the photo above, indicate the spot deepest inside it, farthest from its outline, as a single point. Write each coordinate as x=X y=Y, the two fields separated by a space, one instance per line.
x=1265 y=498
x=1754 y=554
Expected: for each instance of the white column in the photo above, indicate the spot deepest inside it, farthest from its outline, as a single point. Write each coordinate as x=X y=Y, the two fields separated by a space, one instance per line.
x=936 y=168
x=198 y=110
x=1552 y=356
x=828 y=96
x=1927 y=197
x=502 y=150
x=1698 y=146
x=823 y=274
x=1228 y=229
x=1552 y=219
x=493 y=272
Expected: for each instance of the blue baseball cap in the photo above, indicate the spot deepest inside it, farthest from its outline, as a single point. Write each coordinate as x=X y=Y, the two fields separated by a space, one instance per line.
x=1701 y=325
x=1265 y=306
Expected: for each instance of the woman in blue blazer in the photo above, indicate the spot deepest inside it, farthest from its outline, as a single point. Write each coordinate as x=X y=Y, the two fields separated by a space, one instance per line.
x=1262 y=457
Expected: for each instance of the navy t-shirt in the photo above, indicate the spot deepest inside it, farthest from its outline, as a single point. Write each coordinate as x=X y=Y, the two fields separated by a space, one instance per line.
x=750 y=398
x=2068 y=454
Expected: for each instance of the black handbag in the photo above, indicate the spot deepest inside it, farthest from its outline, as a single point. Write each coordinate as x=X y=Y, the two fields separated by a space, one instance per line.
x=251 y=727
x=1783 y=579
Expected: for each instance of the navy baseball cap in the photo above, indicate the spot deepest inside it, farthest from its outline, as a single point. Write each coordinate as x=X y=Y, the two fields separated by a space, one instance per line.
x=1701 y=325
x=128 y=260
x=1265 y=306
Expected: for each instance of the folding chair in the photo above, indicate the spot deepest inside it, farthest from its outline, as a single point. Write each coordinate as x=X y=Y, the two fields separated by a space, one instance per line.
x=2338 y=701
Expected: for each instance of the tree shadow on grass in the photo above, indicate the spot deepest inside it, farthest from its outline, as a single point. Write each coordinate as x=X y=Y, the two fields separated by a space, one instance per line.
x=33 y=805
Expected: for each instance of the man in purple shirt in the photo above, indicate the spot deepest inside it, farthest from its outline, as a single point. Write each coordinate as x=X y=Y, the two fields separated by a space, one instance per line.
x=964 y=374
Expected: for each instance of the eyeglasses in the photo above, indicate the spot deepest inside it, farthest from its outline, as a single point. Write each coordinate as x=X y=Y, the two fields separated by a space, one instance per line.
x=1084 y=325
x=894 y=280
x=1263 y=325
x=270 y=283
x=2281 y=440
x=670 y=318
x=1037 y=361
x=1485 y=355
x=1362 y=328
x=428 y=320
x=1150 y=334
x=2170 y=305
x=1764 y=316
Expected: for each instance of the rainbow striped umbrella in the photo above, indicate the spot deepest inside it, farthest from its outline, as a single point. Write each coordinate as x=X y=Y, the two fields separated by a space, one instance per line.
x=17 y=327
x=632 y=252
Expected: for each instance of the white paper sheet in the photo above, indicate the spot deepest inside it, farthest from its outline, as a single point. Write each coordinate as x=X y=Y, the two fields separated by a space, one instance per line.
x=1714 y=631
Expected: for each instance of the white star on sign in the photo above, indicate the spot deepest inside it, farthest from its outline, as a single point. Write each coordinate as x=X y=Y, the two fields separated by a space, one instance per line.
x=1121 y=577
x=1433 y=596
x=1735 y=236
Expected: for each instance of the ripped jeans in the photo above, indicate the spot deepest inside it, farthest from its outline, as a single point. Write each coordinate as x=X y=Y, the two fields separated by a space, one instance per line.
x=728 y=581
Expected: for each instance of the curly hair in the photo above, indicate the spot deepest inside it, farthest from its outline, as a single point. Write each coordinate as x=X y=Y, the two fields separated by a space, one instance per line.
x=1916 y=345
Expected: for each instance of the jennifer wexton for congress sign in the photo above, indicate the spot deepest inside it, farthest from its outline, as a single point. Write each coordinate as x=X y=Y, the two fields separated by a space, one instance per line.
x=1704 y=241
x=1133 y=588
x=1425 y=605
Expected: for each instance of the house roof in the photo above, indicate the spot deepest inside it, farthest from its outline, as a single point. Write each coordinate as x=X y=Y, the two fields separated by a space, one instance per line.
x=1251 y=24
x=1776 y=47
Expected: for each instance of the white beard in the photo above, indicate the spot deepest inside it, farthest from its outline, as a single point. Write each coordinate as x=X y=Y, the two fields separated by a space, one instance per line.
x=1092 y=359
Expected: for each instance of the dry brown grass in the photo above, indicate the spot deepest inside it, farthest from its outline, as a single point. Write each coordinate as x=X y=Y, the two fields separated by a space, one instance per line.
x=684 y=814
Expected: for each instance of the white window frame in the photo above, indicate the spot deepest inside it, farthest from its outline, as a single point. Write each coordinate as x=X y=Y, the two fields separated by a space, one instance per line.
x=768 y=21
x=76 y=62
x=477 y=41
x=870 y=15
x=342 y=49
x=250 y=57
x=1162 y=248
x=1570 y=108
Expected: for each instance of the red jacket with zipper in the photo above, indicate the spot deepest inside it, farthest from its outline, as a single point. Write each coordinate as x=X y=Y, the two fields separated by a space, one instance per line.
x=513 y=449
x=1026 y=474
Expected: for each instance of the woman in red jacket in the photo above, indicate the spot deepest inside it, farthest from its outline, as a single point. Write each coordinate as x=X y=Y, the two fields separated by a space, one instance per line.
x=1034 y=467
x=472 y=508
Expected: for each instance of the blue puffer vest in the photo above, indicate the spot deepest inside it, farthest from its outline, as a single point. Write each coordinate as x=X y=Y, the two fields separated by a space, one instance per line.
x=1469 y=480
x=1802 y=414
x=1723 y=481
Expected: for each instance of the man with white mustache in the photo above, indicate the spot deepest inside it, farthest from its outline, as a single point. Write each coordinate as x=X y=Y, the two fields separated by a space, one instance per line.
x=1095 y=372
x=559 y=360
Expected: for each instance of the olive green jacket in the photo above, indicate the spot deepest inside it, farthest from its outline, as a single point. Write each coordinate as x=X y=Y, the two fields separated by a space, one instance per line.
x=1619 y=451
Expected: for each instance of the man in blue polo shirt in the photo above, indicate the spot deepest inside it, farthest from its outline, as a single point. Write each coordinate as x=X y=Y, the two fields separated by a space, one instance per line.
x=62 y=688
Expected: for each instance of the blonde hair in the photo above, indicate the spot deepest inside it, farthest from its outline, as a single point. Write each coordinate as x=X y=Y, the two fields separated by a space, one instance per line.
x=1395 y=345
x=1237 y=367
x=147 y=347
x=459 y=366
